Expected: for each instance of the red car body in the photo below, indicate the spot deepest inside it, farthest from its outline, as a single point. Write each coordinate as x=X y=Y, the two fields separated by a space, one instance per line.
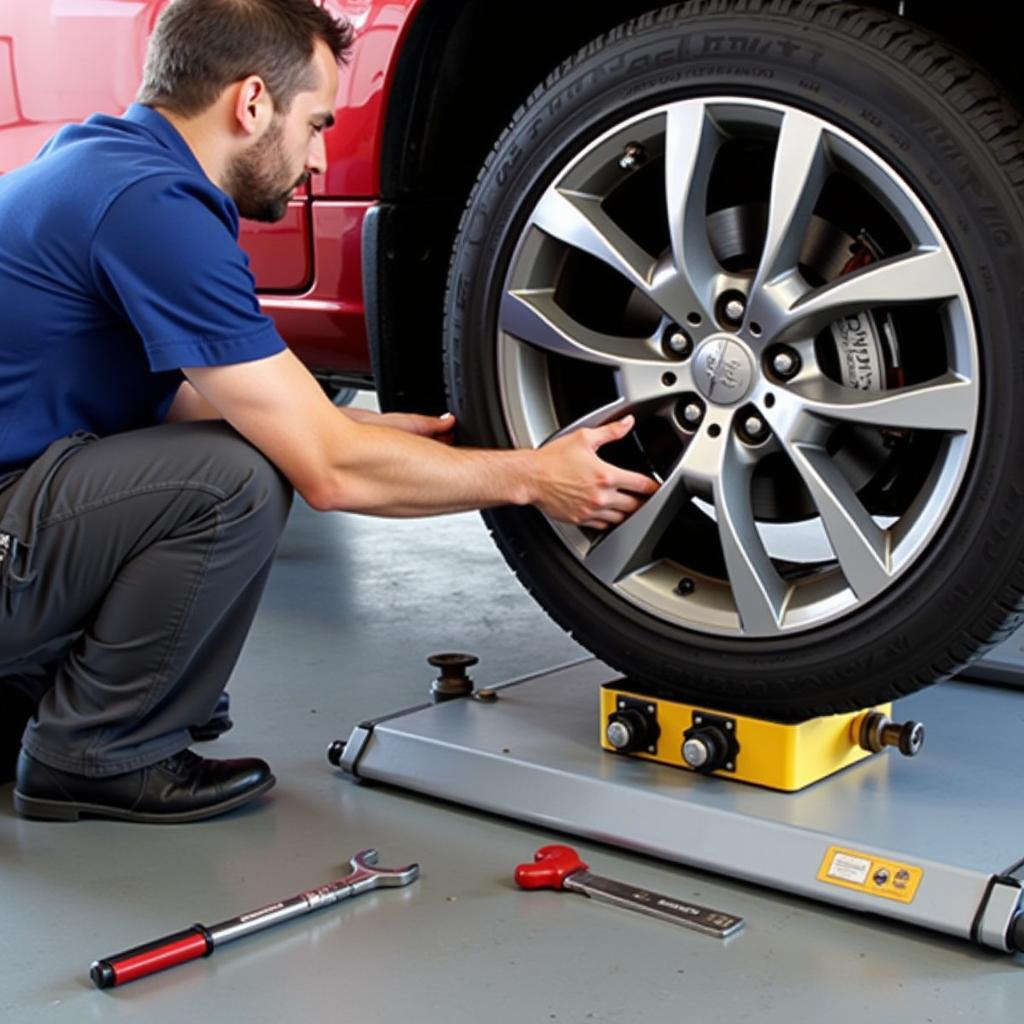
x=62 y=60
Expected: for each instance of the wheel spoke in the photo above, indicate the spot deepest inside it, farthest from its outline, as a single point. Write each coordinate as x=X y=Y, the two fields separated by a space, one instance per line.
x=859 y=543
x=629 y=547
x=758 y=590
x=598 y=418
x=691 y=143
x=948 y=403
x=579 y=221
x=535 y=318
x=926 y=275
x=801 y=166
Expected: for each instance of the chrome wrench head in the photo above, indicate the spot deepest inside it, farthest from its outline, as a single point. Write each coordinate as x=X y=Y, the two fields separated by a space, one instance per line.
x=366 y=875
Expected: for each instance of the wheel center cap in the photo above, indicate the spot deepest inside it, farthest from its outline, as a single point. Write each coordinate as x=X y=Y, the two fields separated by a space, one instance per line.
x=723 y=369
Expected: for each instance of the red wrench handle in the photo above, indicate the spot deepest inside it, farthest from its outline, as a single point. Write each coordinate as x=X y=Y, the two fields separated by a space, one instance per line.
x=154 y=956
x=550 y=868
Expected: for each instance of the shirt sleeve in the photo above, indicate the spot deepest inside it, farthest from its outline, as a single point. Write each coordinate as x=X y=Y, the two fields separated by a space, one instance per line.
x=165 y=256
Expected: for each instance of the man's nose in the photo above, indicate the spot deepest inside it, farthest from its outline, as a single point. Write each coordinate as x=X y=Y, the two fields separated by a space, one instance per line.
x=316 y=158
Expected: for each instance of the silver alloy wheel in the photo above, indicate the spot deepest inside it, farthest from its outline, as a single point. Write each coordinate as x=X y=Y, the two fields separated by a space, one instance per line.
x=743 y=324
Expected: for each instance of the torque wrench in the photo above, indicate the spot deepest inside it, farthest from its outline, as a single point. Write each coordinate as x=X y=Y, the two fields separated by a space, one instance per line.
x=200 y=940
x=559 y=867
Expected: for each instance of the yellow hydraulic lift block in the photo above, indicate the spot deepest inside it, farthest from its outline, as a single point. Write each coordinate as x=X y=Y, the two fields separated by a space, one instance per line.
x=776 y=755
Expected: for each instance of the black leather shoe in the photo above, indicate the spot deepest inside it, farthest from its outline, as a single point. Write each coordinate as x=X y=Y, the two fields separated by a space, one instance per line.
x=219 y=723
x=185 y=787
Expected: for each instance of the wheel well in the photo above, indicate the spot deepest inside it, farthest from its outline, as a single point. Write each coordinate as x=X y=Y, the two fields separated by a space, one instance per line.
x=465 y=68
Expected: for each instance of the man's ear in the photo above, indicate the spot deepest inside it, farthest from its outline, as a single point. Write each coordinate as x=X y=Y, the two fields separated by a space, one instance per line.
x=253 y=107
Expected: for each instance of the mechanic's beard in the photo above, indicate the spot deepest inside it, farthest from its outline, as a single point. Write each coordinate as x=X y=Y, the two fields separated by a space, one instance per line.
x=254 y=179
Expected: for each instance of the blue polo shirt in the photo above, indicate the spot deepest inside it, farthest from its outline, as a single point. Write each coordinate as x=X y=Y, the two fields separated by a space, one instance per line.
x=119 y=265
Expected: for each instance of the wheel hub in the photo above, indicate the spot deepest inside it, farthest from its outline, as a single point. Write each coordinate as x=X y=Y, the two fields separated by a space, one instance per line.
x=724 y=369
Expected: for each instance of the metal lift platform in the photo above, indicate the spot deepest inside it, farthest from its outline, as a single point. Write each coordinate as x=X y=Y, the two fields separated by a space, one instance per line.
x=936 y=842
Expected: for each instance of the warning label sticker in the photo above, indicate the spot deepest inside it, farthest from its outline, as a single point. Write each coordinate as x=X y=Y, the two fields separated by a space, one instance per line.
x=866 y=873
x=849 y=869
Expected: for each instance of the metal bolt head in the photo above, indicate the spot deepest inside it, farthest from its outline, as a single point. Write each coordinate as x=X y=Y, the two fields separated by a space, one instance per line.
x=734 y=310
x=696 y=753
x=692 y=413
x=754 y=427
x=784 y=363
x=619 y=735
x=678 y=342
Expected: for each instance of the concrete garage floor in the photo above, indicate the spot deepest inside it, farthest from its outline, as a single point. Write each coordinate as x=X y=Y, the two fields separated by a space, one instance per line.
x=353 y=607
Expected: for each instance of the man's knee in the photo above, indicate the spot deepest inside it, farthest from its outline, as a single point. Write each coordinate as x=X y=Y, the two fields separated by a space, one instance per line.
x=257 y=489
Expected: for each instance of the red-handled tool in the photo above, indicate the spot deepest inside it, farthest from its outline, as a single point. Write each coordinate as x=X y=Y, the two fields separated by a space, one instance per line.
x=560 y=867
x=200 y=941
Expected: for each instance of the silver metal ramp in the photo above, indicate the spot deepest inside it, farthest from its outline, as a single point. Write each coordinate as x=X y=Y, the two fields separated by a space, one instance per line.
x=937 y=841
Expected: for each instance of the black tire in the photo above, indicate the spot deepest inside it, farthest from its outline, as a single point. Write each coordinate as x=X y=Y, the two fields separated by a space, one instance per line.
x=935 y=118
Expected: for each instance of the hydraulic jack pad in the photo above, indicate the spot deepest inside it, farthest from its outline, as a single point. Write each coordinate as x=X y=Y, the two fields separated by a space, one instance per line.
x=776 y=755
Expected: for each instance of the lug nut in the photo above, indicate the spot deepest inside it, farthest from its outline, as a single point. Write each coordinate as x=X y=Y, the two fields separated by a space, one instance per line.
x=691 y=411
x=755 y=428
x=734 y=310
x=632 y=156
x=786 y=363
x=731 y=308
x=678 y=343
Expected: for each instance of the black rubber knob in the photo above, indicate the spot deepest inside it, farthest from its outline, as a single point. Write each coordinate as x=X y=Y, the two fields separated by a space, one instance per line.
x=454 y=680
x=102 y=974
x=335 y=752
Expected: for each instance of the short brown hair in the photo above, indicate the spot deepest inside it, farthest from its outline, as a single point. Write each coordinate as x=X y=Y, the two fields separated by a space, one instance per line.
x=200 y=47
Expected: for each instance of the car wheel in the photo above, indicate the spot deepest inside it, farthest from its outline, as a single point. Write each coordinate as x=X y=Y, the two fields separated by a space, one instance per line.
x=788 y=238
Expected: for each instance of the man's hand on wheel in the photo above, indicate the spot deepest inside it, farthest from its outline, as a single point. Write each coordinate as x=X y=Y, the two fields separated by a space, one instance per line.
x=576 y=486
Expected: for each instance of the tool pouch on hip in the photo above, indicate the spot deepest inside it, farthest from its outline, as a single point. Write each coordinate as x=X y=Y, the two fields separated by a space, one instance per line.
x=22 y=504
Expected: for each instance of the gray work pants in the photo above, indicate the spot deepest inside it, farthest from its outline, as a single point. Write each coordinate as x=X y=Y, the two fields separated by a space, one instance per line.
x=126 y=613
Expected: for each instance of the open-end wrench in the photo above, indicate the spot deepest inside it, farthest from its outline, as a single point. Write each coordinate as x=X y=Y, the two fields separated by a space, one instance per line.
x=559 y=867
x=200 y=940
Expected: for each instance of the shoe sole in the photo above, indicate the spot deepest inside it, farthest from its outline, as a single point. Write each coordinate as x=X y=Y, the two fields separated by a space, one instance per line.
x=205 y=733
x=66 y=810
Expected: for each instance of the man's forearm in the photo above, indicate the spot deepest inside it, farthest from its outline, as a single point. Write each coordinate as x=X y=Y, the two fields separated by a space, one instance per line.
x=381 y=471
x=336 y=462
